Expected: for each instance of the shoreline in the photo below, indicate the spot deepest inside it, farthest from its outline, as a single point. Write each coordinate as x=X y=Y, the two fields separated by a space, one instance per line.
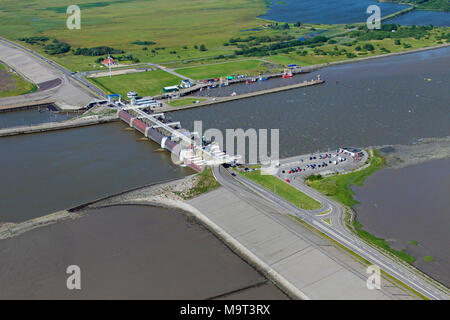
x=310 y=68
x=159 y=194
x=131 y=197
x=347 y=61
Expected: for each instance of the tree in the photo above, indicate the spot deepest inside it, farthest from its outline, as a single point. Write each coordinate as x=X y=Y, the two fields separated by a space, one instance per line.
x=203 y=47
x=298 y=24
x=368 y=47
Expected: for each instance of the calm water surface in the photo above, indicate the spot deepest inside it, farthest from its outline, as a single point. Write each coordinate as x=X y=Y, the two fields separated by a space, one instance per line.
x=423 y=17
x=392 y=100
x=411 y=204
x=31 y=117
x=44 y=173
x=127 y=252
x=326 y=11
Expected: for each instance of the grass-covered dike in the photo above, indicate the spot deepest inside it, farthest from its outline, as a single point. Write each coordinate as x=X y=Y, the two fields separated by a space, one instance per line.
x=338 y=188
x=205 y=183
x=283 y=189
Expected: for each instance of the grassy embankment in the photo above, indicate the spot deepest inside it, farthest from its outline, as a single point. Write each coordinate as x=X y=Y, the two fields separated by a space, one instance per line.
x=12 y=84
x=338 y=188
x=205 y=183
x=283 y=189
x=145 y=83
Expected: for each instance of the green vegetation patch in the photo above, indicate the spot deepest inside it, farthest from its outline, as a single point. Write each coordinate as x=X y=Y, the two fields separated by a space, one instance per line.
x=206 y=183
x=96 y=51
x=184 y=102
x=413 y=243
x=283 y=189
x=428 y=259
x=381 y=243
x=13 y=85
x=251 y=67
x=338 y=188
x=438 y=5
x=148 y=83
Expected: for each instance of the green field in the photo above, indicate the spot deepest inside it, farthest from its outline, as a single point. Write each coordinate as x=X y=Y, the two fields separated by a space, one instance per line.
x=176 y=25
x=13 y=85
x=249 y=67
x=184 y=102
x=182 y=34
x=283 y=189
x=144 y=83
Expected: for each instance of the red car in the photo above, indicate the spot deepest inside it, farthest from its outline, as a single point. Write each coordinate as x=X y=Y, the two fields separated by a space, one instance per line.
x=288 y=181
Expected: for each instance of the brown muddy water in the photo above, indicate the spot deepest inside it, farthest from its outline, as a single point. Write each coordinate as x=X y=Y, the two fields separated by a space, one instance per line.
x=411 y=204
x=44 y=173
x=378 y=102
x=128 y=252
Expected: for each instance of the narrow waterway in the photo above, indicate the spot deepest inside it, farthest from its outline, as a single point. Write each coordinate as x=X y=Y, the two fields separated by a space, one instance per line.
x=44 y=173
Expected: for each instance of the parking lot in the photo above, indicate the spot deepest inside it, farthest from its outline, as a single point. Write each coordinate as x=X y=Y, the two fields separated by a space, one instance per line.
x=324 y=163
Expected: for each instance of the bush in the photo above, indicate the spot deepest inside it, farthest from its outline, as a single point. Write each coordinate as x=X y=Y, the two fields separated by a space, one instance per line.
x=143 y=43
x=57 y=47
x=368 y=47
x=97 y=51
x=315 y=177
x=34 y=40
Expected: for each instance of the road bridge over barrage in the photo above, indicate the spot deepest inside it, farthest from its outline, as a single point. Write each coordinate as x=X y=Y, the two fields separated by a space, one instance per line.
x=187 y=147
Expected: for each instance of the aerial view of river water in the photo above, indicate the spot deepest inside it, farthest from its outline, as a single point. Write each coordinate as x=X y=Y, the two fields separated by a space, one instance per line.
x=326 y=11
x=391 y=100
x=31 y=117
x=349 y=11
x=119 y=261
x=408 y=207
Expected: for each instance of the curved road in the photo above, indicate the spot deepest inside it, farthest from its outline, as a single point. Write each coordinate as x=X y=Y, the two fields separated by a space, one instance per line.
x=338 y=231
x=70 y=88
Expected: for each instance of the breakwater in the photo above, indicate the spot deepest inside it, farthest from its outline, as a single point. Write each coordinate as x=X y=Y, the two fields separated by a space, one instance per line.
x=52 y=126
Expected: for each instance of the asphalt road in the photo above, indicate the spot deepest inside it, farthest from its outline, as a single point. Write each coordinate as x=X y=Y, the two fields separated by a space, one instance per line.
x=337 y=231
x=72 y=86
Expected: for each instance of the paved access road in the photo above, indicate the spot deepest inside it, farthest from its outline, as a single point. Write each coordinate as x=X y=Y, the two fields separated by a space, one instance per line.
x=70 y=92
x=338 y=231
